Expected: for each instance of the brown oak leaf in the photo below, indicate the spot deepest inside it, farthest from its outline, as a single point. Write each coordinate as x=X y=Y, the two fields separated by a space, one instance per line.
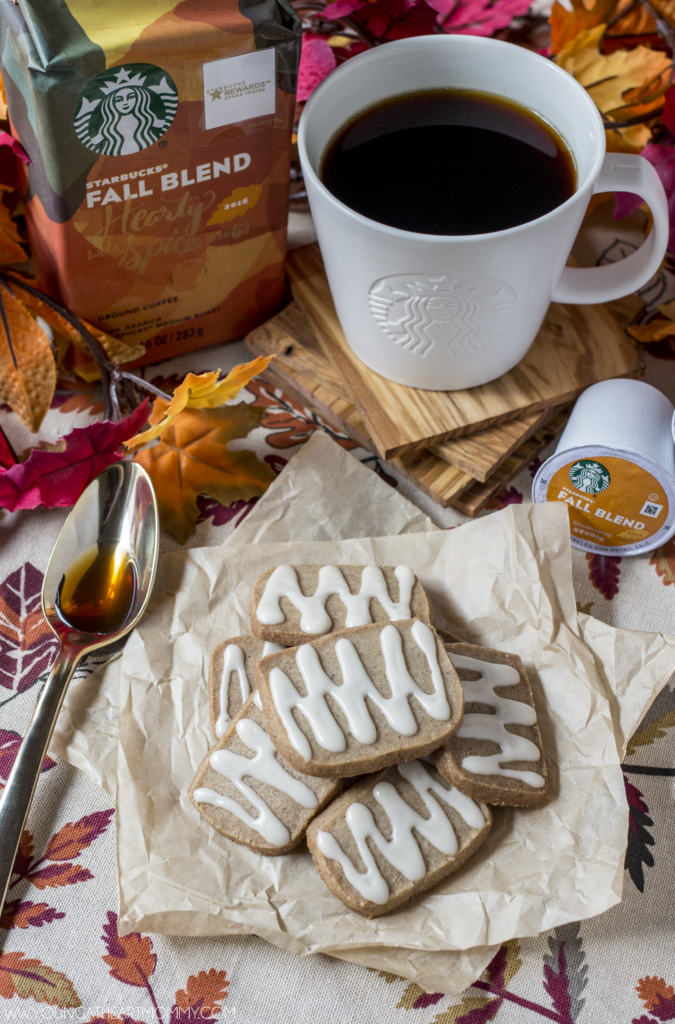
x=31 y=979
x=10 y=239
x=27 y=368
x=205 y=990
x=192 y=458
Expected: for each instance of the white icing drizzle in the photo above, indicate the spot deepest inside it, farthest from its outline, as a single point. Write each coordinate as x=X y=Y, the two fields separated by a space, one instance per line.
x=402 y=850
x=356 y=686
x=271 y=648
x=234 y=661
x=314 y=618
x=492 y=727
x=264 y=767
x=256 y=700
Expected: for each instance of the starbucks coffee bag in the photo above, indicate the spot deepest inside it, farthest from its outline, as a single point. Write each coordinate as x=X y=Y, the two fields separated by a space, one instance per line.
x=159 y=136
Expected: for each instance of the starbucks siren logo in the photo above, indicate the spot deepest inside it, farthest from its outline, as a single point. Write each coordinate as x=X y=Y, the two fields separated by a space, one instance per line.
x=125 y=109
x=589 y=476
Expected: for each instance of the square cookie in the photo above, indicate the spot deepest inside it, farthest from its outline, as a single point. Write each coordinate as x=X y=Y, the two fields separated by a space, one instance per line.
x=497 y=754
x=248 y=792
x=294 y=604
x=394 y=835
x=360 y=700
x=231 y=679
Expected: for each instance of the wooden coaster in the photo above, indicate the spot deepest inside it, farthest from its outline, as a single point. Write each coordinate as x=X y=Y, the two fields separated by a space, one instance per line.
x=577 y=346
x=290 y=337
x=481 y=454
x=286 y=336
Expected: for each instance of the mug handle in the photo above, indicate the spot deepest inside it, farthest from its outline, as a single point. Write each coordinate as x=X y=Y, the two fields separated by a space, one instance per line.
x=622 y=172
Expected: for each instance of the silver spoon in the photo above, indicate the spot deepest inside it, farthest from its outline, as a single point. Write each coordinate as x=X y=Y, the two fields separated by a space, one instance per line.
x=100 y=576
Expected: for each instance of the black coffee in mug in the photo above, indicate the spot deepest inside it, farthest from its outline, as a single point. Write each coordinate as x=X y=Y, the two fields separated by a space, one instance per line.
x=449 y=162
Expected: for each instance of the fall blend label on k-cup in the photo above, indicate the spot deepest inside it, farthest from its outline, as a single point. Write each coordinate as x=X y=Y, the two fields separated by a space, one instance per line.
x=612 y=502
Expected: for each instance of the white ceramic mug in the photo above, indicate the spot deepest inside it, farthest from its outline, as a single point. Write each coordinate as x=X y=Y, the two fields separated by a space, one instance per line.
x=444 y=312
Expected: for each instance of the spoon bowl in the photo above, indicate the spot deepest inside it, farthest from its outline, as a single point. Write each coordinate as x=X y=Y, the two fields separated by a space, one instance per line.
x=95 y=590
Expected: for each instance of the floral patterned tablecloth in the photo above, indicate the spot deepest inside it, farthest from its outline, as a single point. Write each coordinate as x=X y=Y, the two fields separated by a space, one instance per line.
x=60 y=956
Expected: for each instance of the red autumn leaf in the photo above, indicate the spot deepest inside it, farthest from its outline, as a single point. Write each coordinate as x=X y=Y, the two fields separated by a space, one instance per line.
x=53 y=876
x=130 y=958
x=203 y=993
x=57 y=479
x=10 y=742
x=7 y=454
x=27 y=644
x=23 y=914
x=341 y=9
x=478 y=17
x=76 y=836
x=603 y=572
x=316 y=63
x=8 y=140
x=31 y=979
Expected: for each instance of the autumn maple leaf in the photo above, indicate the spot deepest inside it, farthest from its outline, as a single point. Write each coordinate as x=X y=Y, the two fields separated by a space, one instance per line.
x=192 y=458
x=56 y=479
x=625 y=78
x=27 y=368
x=200 y=391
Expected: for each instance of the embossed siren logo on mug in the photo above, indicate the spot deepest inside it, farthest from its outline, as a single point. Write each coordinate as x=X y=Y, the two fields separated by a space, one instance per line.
x=420 y=311
x=448 y=177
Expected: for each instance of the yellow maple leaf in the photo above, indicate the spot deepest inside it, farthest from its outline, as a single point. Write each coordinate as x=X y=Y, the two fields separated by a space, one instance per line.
x=577 y=16
x=27 y=368
x=236 y=205
x=199 y=391
x=192 y=458
x=613 y=81
x=65 y=334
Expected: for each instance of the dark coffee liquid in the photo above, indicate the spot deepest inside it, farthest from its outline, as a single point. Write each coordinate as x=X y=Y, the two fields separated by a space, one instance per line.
x=449 y=162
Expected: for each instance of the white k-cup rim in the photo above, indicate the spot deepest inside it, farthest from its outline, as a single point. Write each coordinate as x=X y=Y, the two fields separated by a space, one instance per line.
x=387 y=51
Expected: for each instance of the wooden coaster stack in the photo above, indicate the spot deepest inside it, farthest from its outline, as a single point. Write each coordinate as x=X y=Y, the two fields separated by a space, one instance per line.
x=459 y=447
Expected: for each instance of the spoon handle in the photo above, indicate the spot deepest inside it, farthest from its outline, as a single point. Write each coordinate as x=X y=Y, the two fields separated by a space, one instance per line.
x=17 y=795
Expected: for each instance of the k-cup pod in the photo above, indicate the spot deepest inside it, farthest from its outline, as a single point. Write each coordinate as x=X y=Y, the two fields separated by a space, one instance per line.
x=615 y=469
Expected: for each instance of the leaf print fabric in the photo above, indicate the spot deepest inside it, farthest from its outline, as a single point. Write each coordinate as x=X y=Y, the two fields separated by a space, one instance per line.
x=27 y=644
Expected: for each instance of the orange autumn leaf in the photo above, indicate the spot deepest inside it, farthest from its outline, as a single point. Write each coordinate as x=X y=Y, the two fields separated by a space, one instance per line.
x=27 y=368
x=201 y=391
x=65 y=334
x=656 y=330
x=192 y=458
x=567 y=24
x=653 y=991
x=131 y=959
x=204 y=993
x=10 y=239
x=663 y=561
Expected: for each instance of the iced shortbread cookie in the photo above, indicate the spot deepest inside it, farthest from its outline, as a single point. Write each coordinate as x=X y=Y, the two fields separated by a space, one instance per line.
x=394 y=835
x=296 y=603
x=497 y=754
x=248 y=792
x=231 y=676
x=360 y=700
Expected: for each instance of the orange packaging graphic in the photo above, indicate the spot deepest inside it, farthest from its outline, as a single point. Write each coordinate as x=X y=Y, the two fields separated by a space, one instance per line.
x=159 y=135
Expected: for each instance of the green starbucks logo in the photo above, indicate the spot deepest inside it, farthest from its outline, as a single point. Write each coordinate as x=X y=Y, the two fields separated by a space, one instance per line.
x=590 y=476
x=125 y=109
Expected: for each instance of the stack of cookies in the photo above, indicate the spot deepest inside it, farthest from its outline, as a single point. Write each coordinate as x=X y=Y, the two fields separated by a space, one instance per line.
x=346 y=718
